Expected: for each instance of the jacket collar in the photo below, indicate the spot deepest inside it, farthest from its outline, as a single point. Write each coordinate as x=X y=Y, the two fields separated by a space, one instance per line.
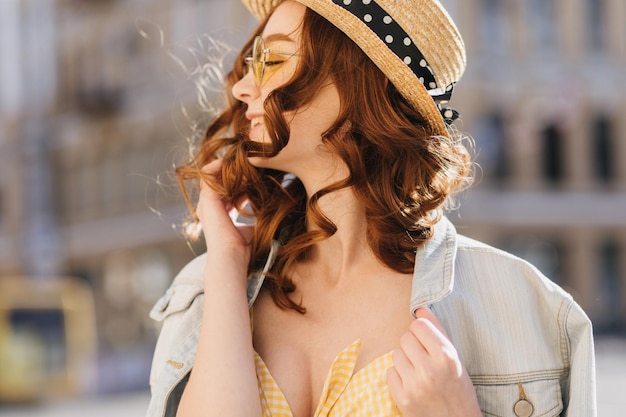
x=256 y=279
x=433 y=275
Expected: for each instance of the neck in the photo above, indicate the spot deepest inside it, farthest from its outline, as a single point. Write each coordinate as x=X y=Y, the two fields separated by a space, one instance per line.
x=347 y=252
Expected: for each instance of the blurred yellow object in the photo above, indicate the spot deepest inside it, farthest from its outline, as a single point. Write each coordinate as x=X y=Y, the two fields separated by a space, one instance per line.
x=21 y=361
x=47 y=338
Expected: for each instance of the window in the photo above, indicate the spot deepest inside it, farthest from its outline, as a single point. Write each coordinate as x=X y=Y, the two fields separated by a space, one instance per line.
x=11 y=73
x=103 y=68
x=49 y=337
x=491 y=147
x=494 y=30
x=542 y=25
x=595 y=24
x=552 y=155
x=610 y=286
x=602 y=144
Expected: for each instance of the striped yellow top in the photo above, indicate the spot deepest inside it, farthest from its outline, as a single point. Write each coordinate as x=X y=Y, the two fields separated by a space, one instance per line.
x=345 y=393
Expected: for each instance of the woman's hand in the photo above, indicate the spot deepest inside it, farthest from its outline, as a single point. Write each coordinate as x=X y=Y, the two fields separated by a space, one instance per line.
x=223 y=381
x=222 y=237
x=427 y=377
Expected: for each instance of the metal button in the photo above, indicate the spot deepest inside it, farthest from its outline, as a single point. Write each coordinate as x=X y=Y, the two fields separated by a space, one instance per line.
x=523 y=408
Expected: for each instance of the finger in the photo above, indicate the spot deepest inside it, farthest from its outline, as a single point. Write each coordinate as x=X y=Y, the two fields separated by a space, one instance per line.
x=214 y=167
x=212 y=172
x=402 y=365
x=211 y=200
x=434 y=342
x=394 y=381
x=247 y=232
x=413 y=349
x=438 y=347
x=212 y=210
x=426 y=313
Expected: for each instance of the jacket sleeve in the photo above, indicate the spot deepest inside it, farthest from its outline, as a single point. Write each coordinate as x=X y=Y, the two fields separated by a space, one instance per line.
x=579 y=394
x=180 y=313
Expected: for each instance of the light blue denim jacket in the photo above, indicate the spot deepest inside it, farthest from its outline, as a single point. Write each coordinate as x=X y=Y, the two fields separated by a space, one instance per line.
x=525 y=343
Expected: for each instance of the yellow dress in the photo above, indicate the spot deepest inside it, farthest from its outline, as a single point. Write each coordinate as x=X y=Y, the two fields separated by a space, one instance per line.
x=345 y=393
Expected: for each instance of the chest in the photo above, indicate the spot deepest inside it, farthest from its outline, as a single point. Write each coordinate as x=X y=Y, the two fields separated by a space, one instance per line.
x=298 y=350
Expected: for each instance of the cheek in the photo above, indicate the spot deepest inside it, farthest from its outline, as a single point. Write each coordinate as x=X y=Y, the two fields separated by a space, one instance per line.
x=278 y=77
x=309 y=123
x=322 y=112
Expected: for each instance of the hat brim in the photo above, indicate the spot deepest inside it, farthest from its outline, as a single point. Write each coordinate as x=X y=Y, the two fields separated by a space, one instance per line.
x=435 y=26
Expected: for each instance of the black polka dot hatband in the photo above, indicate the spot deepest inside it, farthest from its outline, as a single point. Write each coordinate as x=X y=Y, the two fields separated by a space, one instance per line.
x=414 y=42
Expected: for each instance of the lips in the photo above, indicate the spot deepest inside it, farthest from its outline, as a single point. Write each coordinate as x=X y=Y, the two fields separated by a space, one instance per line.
x=256 y=121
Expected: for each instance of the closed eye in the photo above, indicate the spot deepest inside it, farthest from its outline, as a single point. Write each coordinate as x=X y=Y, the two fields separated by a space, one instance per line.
x=270 y=63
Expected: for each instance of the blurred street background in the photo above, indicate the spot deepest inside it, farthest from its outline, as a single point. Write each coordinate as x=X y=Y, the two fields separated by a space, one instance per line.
x=101 y=99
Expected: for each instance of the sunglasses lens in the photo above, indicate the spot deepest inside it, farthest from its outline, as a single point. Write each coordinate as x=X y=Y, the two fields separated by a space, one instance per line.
x=258 y=61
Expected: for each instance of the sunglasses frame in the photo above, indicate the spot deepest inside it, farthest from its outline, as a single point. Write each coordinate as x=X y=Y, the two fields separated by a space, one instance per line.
x=257 y=62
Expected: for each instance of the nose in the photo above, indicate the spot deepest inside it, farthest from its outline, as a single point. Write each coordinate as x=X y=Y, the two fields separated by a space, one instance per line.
x=245 y=89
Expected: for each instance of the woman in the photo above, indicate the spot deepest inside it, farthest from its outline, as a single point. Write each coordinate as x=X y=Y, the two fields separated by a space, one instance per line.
x=351 y=294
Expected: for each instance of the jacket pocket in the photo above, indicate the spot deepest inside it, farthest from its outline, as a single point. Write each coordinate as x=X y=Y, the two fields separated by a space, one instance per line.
x=538 y=398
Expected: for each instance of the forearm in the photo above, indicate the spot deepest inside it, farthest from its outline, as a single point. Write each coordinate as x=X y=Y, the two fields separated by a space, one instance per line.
x=223 y=380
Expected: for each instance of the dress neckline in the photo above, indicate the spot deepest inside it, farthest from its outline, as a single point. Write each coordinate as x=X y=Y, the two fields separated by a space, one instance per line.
x=338 y=377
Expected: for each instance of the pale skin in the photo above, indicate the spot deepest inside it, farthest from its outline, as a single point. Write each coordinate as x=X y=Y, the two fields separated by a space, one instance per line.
x=338 y=284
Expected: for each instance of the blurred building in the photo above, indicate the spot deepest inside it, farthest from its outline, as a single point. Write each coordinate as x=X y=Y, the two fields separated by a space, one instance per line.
x=544 y=98
x=99 y=98
x=98 y=101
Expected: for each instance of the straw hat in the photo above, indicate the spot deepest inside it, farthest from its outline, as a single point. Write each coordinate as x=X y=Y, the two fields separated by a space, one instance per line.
x=415 y=43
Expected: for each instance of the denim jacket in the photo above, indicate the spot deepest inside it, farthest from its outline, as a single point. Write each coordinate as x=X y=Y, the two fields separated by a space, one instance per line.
x=525 y=343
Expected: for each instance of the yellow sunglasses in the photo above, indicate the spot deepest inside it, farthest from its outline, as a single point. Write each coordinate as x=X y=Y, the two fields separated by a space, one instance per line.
x=258 y=63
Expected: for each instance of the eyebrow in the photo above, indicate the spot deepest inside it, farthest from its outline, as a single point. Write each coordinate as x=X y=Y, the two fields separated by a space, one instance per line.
x=278 y=37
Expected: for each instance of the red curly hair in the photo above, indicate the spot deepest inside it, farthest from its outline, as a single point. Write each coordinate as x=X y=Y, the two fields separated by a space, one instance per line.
x=400 y=171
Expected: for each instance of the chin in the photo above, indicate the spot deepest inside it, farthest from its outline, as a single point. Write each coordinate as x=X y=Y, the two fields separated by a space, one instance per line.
x=261 y=162
x=268 y=163
x=257 y=161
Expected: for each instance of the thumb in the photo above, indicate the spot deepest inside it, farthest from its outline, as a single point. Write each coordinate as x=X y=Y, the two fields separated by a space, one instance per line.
x=247 y=231
x=426 y=313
